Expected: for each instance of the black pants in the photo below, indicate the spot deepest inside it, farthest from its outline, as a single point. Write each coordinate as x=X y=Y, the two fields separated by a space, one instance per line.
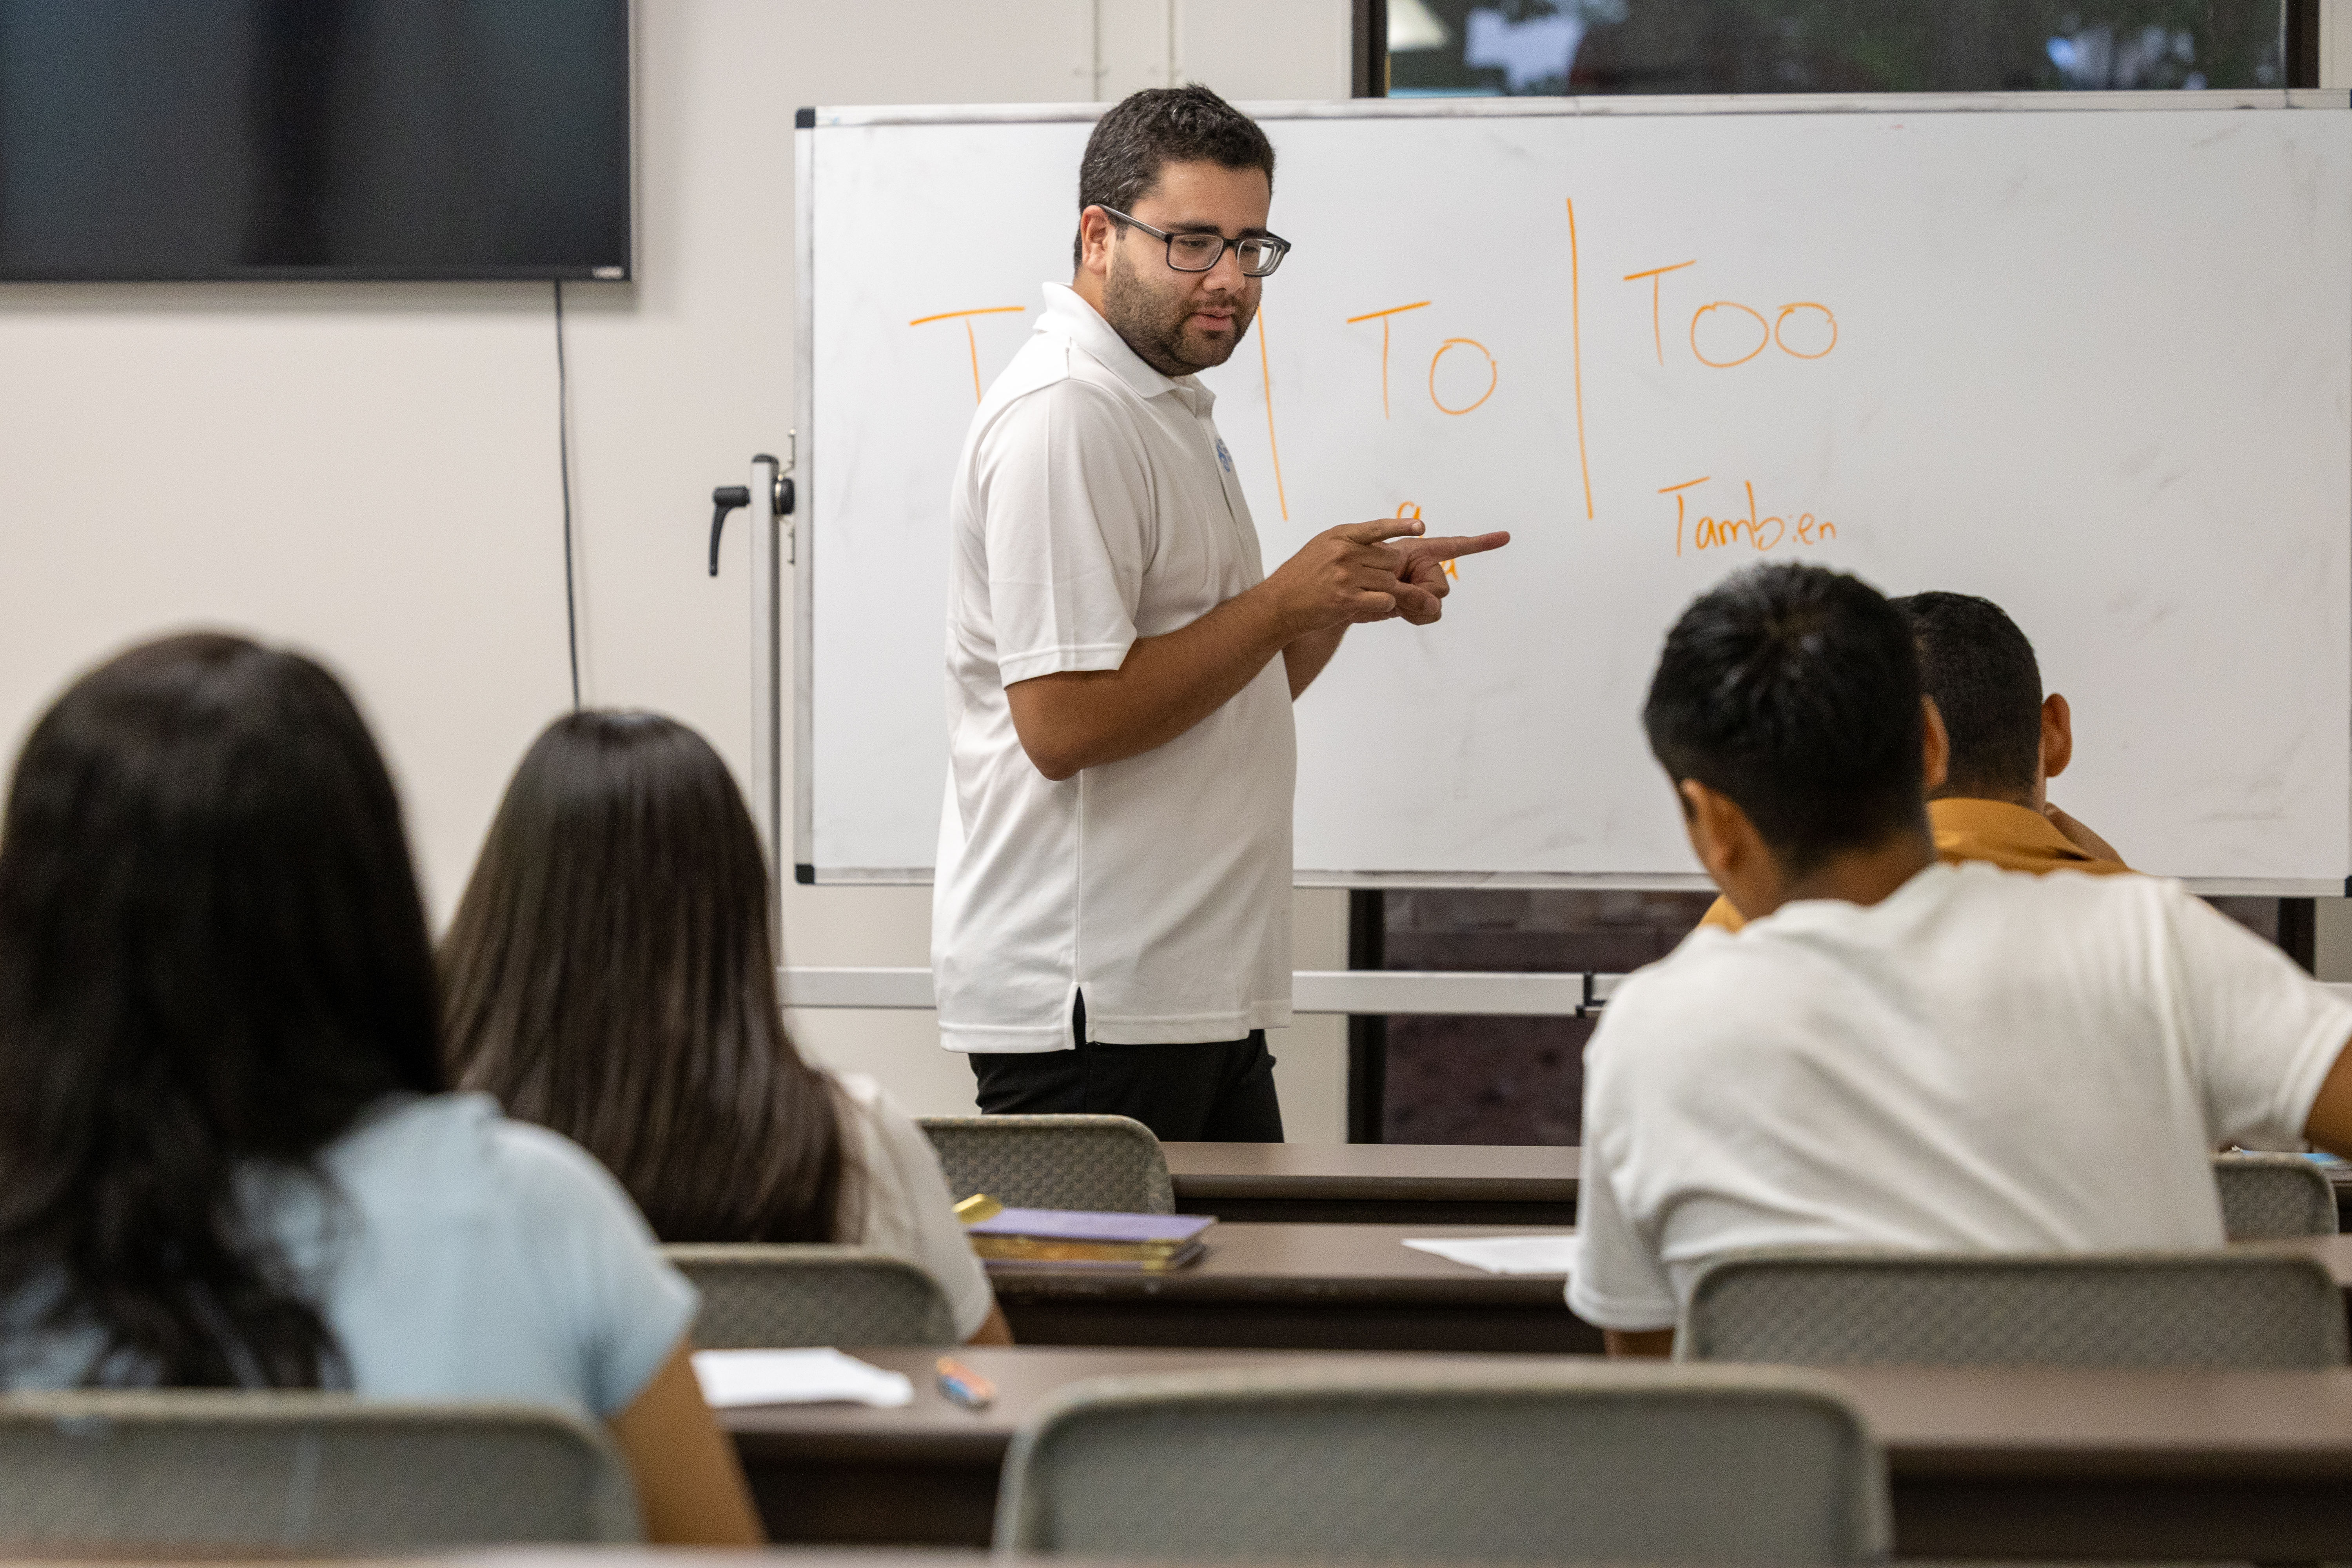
x=1215 y=1093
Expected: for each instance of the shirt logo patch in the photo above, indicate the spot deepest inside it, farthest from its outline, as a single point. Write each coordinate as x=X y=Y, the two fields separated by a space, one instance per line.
x=1225 y=457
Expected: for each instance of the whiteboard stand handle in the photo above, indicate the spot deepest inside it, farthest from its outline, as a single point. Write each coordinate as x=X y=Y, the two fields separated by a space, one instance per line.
x=724 y=500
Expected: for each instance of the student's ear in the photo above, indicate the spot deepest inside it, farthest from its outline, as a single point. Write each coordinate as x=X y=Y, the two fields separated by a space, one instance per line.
x=1720 y=833
x=1935 y=749
x=2057 y=735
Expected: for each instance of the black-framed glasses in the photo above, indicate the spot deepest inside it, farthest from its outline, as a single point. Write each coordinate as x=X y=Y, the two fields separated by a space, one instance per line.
x=1259 y=254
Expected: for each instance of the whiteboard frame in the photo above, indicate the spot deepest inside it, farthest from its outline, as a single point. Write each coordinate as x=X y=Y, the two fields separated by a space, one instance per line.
x=807 y=122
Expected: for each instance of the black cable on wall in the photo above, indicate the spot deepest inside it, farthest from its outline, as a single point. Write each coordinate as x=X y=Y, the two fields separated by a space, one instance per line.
x=563 y=456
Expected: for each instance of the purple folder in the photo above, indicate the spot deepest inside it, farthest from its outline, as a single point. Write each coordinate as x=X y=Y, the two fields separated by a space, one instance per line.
x=1081 y=1224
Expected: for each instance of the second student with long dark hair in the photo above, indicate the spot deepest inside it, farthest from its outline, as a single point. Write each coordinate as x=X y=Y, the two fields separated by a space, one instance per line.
x=610 y=974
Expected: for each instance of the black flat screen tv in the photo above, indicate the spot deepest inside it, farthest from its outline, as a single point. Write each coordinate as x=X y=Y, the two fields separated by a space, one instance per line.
x=173 y=139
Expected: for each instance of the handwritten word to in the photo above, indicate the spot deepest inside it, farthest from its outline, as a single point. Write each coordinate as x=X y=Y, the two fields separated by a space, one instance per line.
x=1760 y=533
x=970 y=342
x=1494 y=373
x=1724 y=332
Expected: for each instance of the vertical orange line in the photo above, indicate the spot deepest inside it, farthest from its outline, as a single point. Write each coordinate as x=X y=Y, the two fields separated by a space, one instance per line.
x=1265 y=377
x=974 y=342
x=1575 y=338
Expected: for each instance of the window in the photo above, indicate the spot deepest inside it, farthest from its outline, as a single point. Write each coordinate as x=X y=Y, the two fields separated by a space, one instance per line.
x=1519 y=1080
x=1483 y=48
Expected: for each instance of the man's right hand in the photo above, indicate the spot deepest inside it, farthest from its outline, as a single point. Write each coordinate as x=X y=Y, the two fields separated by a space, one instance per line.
x=1346 y=575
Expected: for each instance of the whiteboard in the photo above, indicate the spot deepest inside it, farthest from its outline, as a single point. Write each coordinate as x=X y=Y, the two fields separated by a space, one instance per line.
x=2088 y=355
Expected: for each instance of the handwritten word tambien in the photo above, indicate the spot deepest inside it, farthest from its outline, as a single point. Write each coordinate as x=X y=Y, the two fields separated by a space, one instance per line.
x=1760 y=533
x=1411 y=512
x=1724 y=332
x=971 y=342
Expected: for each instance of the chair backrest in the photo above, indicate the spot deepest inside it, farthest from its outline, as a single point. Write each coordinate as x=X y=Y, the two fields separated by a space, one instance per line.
x=185 y=1468
x=1107 y=1163
x=2117 y=1309
x=779 y=1297
x=1572 y=1462
x=2267 y=1196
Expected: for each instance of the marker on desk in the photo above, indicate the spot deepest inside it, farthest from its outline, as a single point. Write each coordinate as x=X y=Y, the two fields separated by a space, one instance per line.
x=963 y=1385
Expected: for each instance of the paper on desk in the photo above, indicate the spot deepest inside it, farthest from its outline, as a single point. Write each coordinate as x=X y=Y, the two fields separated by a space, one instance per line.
x=1508 y=1254
x=731 y=1378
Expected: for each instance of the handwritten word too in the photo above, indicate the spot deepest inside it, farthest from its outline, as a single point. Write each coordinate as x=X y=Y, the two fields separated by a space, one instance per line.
x=1726 y=333
x=1760 y=533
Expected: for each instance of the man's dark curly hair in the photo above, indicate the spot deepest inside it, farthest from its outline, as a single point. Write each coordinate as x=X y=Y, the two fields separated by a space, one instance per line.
x=1146 y=131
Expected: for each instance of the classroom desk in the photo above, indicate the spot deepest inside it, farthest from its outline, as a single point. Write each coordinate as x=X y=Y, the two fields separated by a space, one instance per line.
x=1983 y=1463
x=1302 y=1287
x=1377 y=1184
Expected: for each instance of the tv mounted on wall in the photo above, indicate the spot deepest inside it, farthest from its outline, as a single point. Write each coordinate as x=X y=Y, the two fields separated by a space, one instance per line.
x=174 y=140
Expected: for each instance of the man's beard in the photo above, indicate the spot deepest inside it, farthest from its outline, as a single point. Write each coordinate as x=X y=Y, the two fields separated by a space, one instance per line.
x=1153 y=323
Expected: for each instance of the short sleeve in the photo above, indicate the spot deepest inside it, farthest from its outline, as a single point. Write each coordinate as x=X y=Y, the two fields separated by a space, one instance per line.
x=926 y=1228
x=1065 y=500
x=1620 y=1281
x=2262 y=1034
x=625 y=1308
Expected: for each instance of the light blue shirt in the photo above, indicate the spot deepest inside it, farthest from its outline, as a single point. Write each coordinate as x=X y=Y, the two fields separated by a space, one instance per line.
x=462 y=1255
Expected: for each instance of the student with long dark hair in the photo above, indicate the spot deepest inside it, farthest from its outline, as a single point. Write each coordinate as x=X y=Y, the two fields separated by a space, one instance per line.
x=226 y=1157
x=610 y=974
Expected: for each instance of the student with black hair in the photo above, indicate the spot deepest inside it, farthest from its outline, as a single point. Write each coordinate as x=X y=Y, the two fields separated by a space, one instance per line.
x=226 y=1157
x=2006 y=742
x=1898 y=1053
x=611 y=973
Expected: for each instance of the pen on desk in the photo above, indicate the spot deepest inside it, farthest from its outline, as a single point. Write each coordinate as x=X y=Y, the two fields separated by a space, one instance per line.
x=963 y=1385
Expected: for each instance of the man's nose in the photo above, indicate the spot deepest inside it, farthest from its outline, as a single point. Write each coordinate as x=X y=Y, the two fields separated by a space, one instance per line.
x=1227 y=273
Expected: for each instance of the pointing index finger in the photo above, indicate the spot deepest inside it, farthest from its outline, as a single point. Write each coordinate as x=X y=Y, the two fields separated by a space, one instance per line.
x=1447 y=548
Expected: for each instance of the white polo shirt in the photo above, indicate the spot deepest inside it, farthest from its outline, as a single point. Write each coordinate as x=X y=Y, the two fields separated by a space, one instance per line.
x=1095 y=504
x=1982 y=1061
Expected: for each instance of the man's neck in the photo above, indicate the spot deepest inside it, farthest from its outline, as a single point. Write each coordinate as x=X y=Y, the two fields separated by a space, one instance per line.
x=1865 y=875
x=2031 y=799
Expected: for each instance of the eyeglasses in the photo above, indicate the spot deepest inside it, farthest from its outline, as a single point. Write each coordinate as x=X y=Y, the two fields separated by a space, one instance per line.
x=1259 y=254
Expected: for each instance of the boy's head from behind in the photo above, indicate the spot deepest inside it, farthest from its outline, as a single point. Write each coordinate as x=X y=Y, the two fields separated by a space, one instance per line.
x=1987 y=686
x=1791 y=695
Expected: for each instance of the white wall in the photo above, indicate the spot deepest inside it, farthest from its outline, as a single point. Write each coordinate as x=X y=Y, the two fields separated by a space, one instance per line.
x=370 y=471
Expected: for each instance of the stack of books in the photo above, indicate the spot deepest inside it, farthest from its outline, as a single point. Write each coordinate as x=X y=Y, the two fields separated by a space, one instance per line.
x=1148 y=1243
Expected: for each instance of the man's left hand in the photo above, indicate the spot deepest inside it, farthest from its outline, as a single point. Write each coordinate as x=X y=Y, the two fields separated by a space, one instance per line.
x=1424 y=568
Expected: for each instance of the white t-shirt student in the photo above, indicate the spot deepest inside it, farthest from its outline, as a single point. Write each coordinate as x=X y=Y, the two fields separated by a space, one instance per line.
x=895 y=1199
x=1984 y=1060
x=460 y=1256
x=1095 y=504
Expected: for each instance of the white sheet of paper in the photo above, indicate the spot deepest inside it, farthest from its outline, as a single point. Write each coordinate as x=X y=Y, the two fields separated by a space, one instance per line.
x=731 y=1378
x=1508 y=1254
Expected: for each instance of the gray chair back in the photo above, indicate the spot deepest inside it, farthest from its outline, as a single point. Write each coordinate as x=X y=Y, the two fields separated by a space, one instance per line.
x=1819 y=1307
x=1107 y=1163
x=183 y=1469
x=779 y=1297
x=2265 y=1197
x=1567 y=1462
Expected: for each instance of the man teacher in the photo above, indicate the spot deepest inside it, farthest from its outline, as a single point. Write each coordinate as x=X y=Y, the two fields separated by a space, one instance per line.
x=1111 y=924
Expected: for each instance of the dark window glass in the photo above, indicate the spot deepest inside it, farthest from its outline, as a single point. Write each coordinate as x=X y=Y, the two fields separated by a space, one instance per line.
x=1464 y=47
